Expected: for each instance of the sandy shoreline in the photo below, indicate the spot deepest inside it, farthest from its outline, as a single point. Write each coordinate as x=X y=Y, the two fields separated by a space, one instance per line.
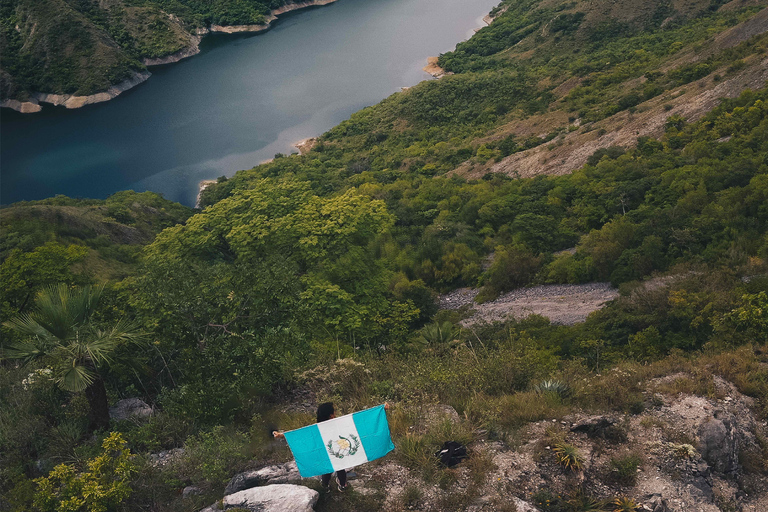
x=69 y=101
x=433 y=69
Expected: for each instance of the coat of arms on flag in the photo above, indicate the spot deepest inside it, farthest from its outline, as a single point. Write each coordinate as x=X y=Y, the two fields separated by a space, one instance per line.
x=341 y=443
x=343 y=447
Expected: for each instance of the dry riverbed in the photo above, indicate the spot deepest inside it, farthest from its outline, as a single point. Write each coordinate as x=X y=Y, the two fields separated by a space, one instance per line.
x=565 y=304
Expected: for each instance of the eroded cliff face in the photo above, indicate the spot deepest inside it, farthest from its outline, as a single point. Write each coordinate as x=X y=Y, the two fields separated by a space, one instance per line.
x=571 y=149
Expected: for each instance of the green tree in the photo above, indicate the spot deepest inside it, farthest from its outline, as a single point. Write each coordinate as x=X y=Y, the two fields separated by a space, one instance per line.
x=59 y=332
x=23 y=273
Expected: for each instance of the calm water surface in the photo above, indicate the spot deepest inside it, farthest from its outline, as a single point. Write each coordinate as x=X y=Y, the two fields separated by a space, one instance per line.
x=237 y=103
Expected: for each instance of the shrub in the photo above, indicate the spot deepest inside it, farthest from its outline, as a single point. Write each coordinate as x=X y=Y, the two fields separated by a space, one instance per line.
x=528 y=406
x=549 y=502
x=413 y=450
x=212 y=457
x=102 y=486
x=684 y=450
x=436 y=334
x=411 y=496
x=512 y=267
x=624 y=468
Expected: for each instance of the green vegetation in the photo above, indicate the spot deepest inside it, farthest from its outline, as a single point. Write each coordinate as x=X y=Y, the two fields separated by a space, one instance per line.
x=626 y=467
x=59 y=333
x=319 y=272
x=103 y=486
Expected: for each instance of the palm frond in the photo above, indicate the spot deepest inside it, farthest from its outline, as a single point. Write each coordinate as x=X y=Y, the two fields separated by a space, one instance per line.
x=59 y=309
x=27 y=351
x=26 y=325
x=75 y=378
x=103 y=344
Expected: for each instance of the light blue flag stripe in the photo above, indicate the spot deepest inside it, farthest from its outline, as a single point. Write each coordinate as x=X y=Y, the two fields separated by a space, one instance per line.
x=374 y=432
x=309 y=451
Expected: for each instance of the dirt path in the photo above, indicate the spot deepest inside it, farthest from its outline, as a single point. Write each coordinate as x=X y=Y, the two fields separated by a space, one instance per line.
x=564 y=304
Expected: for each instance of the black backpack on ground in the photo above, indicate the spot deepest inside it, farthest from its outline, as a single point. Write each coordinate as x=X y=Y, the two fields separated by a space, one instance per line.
x=452 y=453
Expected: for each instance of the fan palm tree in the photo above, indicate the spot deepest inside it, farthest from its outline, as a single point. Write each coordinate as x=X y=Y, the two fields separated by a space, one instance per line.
x=59 y=333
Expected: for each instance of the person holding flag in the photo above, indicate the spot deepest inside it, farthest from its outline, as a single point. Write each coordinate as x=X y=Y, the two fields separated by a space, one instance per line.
x=337 y=444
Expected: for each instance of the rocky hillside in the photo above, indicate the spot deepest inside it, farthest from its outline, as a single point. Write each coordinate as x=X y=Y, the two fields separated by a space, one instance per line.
x=691 y=442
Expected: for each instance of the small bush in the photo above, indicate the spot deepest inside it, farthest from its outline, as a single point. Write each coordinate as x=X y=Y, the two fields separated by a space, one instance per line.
x=548 y=502
x=624 y=468
x=411 y=496
x=480 y=463
x=436 y=334
x=529 y=406
x=213 y=457
x=415 y=453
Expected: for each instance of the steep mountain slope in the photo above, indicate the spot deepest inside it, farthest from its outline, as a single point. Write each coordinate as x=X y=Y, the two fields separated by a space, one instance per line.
x=564 y=78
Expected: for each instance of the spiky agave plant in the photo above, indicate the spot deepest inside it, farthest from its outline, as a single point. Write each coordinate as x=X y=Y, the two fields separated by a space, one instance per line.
x=554 y=387
x=568 y=456
x=436 y=334
x=580 y=501
x=624 y=504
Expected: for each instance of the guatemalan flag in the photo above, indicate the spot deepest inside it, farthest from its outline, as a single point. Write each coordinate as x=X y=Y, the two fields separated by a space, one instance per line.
x=341 y=443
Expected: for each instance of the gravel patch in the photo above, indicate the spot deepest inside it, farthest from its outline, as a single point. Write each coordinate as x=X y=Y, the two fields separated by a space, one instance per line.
x=458 y=298
x=565 y=304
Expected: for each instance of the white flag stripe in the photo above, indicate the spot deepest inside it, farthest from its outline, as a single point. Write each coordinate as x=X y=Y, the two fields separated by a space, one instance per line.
x=346 y=447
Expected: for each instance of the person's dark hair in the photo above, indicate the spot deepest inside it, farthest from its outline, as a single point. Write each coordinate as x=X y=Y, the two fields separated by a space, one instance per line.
x=324 y=411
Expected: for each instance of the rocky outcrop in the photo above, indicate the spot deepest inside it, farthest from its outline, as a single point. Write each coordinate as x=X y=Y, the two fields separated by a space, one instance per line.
x=601 y=427
x=166 y=457
x=25 y=107
x=128 y=408
x=719 y=444
x=190 y=491
x=565 y=304
x=286 y=473
x=433 y=68
x=523 y=506
x=274 y=498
